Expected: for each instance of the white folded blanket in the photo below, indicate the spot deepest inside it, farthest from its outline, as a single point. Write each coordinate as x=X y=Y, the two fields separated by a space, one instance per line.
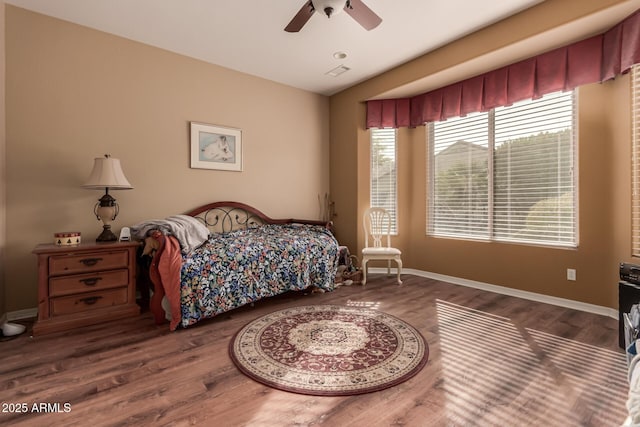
x=189 y=231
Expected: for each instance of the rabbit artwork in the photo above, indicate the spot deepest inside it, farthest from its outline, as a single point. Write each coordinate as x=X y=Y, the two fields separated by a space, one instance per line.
x=218 y=150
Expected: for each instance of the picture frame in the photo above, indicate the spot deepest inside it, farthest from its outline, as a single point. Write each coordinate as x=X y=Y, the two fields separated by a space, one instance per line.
x=215 y=147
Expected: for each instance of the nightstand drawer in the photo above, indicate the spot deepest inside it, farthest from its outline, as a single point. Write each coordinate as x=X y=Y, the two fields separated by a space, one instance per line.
x=88 y=301
x=79 y=283
x=66 y=264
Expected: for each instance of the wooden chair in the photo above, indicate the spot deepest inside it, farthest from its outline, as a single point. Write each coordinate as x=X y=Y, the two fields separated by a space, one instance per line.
x=377 y=227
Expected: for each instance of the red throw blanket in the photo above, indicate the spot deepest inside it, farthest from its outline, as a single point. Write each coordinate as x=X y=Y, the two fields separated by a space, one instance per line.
x=165 y=275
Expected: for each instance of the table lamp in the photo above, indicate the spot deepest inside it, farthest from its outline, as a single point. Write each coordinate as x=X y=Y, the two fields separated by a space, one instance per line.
x=107 y=174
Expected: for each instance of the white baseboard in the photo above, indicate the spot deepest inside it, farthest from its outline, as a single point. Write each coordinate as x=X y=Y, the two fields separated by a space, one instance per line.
x=27 y=313
x=532 y=296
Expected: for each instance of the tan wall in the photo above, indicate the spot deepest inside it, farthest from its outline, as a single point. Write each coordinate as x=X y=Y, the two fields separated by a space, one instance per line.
x=2 y=164
x=74 y=94
x=604 y=180
x=534 y=268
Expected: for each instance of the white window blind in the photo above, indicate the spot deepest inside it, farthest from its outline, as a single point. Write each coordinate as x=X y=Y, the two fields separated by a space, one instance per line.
x=383 y=172
x=507 y=174
x=635 y=155
x=534 y=198
x=459 y=202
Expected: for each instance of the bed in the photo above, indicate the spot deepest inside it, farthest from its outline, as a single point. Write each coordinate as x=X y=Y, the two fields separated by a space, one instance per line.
x=225 y=255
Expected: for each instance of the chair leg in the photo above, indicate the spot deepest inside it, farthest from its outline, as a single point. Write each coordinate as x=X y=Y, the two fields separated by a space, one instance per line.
x=364 y=271
x=399 y=261
x=388 y=267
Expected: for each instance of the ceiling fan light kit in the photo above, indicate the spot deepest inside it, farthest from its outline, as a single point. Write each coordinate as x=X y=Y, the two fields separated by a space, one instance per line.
x=354 y=8
x=330 y=7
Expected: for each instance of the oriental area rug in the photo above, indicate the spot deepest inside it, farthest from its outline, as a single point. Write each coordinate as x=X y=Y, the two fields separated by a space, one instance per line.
x=329 y=350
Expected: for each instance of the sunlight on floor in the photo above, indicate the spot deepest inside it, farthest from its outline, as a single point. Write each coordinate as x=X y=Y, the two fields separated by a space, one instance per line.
x=374 y=305
x=278 y=408
x=497 y=373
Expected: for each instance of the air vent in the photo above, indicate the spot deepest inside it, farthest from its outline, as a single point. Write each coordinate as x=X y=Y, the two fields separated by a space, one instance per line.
x=337 y=71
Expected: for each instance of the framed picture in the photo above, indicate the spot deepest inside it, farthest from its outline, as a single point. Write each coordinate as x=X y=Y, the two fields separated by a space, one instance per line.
x=216 y=147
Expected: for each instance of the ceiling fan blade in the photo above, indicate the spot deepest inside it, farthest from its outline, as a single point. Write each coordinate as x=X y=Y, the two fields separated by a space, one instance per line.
x=301 y=18
x=363 y=15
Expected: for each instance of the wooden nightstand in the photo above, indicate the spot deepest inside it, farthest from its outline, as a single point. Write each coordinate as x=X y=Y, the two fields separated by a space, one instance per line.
x=85 y=284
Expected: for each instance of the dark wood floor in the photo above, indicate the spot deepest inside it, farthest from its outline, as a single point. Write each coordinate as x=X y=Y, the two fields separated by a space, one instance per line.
x=494 y=361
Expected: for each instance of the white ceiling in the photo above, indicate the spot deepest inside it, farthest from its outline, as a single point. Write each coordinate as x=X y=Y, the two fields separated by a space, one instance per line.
x=248 y=35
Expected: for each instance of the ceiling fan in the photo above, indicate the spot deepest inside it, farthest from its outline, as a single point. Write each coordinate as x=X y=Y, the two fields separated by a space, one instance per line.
x=355 y=8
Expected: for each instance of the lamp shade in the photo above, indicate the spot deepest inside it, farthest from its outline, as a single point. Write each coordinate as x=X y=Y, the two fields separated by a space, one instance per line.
x=107 y=173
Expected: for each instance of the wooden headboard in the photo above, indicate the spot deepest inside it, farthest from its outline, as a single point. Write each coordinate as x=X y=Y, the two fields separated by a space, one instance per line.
x=223 y=217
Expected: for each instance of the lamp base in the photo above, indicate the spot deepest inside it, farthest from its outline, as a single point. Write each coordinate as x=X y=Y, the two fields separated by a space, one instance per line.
x=107 y=235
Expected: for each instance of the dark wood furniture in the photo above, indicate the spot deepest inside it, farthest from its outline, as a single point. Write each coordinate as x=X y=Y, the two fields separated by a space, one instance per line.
x=85 y=284
x=223 y=217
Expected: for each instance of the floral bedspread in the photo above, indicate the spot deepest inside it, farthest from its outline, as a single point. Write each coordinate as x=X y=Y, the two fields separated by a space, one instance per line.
x=236 y=268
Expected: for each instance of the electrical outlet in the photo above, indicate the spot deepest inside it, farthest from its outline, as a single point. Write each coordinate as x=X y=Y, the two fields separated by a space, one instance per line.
x=571 y=274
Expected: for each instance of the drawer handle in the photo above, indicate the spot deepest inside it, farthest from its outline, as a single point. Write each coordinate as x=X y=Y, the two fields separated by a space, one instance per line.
x=91 y=281
x=90 y=262
x=90 y=300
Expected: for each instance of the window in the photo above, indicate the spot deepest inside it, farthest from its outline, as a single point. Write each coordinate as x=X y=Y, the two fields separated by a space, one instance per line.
x=507 y=174
x=635 y=155
x=383 y=172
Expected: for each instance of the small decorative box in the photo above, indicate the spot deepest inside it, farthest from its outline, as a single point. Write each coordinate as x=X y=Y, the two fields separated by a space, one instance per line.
x=67 y=238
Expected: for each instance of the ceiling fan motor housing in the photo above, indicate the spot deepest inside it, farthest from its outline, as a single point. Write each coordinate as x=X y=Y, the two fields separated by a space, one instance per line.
x=329 y=7
x=355 y=8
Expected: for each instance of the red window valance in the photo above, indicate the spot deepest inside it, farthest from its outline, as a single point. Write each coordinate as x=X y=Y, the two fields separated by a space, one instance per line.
x=595 y=59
